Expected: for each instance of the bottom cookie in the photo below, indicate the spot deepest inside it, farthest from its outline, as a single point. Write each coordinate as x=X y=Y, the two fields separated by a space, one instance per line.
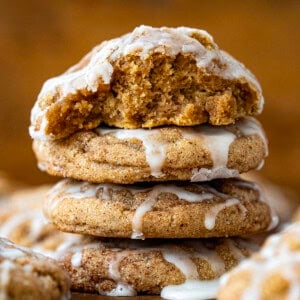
x=118 y=267
x=27 y=275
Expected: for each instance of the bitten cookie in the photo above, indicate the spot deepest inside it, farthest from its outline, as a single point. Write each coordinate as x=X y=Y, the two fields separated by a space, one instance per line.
x=147 y=78
x=272 y=273
x=172 y=153
x=216 y=209
x=124 y=267
x=26 y=275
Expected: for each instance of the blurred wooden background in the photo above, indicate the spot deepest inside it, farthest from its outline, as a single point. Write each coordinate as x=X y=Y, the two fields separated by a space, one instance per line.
x=40 y=39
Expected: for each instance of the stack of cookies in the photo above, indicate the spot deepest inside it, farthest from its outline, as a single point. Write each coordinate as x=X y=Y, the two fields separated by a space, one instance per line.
x=152 y=130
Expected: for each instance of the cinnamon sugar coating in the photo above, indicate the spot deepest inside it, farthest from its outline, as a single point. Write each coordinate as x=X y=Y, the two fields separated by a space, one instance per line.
x=142 y=267
x=220 y=208
x=169 y=153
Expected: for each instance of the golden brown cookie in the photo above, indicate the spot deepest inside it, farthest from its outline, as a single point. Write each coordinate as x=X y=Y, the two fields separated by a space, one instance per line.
x=27 y=275
x=22 y=221
x=147 y=78
x=172 y=153
x=125 y=267
x=215 y=209
x=272 y=273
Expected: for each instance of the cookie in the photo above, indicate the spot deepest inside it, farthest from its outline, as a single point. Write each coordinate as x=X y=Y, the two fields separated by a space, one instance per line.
x=216 y=209
x=21 y=217
x=117 y=267
x=147 y=78
x=22 y=221
x=172 y=153
x=272 y=273
x=27 y=275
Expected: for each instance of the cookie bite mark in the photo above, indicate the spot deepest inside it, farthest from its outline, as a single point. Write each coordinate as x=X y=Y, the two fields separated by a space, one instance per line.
x=147 y=78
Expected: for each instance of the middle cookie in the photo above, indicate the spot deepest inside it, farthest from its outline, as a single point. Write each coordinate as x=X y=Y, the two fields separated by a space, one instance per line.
x=198 y=153
x=219 y=208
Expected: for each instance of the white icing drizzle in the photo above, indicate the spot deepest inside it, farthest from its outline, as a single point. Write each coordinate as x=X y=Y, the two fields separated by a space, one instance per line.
x=35 y=218
x=80 y=190
x=69 y=240
x=122 y=288
x=216 y=263
x=154 y=148
x=192 y=290
x=76 y=259
x=9 y=251
x=142 y=41
x=234 y=250
x=210 y=218
x=182 y=261
x=211 y=215
x=152 y=197
x=261 y=165
x=64 y=189
x=216 y=140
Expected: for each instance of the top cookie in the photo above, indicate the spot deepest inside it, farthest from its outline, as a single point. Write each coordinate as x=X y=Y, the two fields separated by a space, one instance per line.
x=147 y=78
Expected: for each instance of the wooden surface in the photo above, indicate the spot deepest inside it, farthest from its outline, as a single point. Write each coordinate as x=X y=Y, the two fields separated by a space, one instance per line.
x=40 y=39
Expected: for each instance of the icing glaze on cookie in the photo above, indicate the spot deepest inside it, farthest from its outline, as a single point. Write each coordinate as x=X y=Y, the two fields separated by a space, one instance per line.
x=97 y=67
x=154 y=148
x=182 y=259
x=181 y=193
x=216 y=140
x=278 y=257
x=78 y=190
